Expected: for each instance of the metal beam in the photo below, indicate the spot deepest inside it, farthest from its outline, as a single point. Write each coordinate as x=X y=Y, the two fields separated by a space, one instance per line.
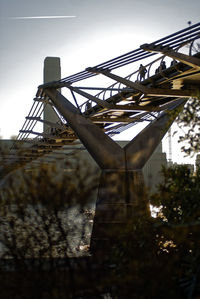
x=139 y=150
x=186 y=59
x=105 y=88
x=51 y=124
x=133 y=108
x=135 y=85
x=130 y=108
x=49 y=136
x=102 y=148
x=101 y=103
x=145 y=90
x=160 y=92
x=114 y=119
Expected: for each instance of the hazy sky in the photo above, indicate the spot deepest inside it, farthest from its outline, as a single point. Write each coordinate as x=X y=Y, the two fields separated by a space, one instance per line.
x=102 y=29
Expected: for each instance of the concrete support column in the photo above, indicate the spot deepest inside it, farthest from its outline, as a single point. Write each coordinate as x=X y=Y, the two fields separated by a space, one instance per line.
x=121 y=200
x=121 y=196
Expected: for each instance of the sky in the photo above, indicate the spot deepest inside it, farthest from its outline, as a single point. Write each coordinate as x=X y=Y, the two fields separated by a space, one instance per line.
x=95 y=31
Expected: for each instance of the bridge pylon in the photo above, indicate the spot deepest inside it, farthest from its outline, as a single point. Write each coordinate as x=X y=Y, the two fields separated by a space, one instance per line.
x=102 y=111
x=121 y=194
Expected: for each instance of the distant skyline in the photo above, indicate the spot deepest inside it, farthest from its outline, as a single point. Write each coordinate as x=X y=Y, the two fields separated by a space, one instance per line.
x=81 y=32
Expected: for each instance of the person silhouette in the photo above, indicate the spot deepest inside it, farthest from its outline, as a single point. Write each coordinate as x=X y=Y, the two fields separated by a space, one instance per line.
x=173 y=62
x=163 y=65
x=142 y=72
x=88 y=105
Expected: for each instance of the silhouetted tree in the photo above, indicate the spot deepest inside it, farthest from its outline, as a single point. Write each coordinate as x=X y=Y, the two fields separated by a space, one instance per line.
x=178 y=199
x=44 y=220
x=189 y=123
x=45 y=223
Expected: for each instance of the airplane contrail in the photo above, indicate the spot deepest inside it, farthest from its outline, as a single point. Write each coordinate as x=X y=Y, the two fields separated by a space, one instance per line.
x=42 y=17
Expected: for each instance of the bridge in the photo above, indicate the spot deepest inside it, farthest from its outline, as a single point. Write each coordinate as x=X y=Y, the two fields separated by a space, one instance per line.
x=102 y=101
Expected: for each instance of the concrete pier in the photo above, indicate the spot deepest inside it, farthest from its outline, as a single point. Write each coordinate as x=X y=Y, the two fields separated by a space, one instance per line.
x=121 y=188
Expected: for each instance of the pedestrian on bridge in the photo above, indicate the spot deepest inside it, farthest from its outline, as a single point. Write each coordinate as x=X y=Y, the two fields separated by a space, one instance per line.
x=163 y=65
x=88 y=105
x=173 y=62
x=142 y=72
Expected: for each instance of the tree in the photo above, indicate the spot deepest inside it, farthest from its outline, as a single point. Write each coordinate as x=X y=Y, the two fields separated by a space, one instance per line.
x=44 y=220
x=44 y=223
x=178 y=198
x=188 y=121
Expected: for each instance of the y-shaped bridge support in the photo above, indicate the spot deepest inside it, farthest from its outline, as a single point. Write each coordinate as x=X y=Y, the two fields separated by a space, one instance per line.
x=121 y=189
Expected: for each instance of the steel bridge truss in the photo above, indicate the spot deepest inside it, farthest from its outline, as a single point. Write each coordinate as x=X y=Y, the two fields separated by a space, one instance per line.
x=112 y=102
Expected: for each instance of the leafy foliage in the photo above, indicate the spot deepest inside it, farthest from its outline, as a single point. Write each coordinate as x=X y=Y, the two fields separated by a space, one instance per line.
x=43 y=217
x=188 y=121
x=38 y=211
x=179 y=195
x=179 y=200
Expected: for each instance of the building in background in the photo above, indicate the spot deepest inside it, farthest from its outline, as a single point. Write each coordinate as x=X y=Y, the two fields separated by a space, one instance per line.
x=51 y=72
x=152 y=169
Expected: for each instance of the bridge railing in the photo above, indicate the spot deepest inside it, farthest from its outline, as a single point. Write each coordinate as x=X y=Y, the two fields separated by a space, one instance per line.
x=173 y=40
x=152 y=68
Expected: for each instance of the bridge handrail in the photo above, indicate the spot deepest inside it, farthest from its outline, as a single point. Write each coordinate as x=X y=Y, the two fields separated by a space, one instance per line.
x=147 y=66
x=125 y=58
